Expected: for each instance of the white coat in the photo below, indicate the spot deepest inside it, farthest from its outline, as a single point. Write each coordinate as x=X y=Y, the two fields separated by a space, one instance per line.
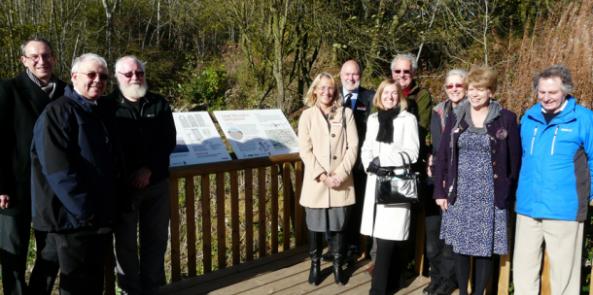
x=391 y=222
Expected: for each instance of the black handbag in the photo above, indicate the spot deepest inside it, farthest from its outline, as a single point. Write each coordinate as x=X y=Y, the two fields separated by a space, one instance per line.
x=397 y=187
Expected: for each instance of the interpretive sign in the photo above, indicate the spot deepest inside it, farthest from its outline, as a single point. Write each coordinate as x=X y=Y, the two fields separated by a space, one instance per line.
x=257 y=133
x=198 y=140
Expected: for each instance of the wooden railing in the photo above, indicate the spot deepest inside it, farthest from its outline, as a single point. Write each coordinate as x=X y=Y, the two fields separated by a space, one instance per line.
x=228 y=213
x=253 y=204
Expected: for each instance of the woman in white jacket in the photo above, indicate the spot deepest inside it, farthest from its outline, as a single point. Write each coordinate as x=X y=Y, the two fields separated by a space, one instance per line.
x=390 y=131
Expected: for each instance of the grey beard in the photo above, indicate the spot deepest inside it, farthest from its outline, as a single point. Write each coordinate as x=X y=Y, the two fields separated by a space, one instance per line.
x=134 y=91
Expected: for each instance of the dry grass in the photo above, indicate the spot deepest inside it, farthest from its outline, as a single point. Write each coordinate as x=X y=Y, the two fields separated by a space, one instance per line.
x=565 y=37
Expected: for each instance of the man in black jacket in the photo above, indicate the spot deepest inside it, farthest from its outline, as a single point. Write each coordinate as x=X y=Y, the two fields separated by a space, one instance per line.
x=360 y=100
x=72 y=180
x=21 y=101
x=145 y=135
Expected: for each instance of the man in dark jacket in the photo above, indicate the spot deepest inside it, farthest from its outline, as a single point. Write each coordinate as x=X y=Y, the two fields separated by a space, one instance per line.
x=21 y=101
x=145 y=135
x=360 y=100
x=72 y=180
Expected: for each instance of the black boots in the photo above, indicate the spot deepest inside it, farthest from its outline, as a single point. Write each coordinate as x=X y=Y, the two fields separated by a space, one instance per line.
x=337 y=251
x=315 y=254
x=337 y=248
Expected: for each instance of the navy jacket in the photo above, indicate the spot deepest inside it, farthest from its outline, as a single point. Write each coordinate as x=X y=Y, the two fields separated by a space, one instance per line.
x=505 y=145
x=72 y=183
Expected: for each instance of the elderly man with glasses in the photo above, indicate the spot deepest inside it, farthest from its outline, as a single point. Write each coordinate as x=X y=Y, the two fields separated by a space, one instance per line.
x=72 y=176
x=403 y=71
x=22 y=99
x=145 y=135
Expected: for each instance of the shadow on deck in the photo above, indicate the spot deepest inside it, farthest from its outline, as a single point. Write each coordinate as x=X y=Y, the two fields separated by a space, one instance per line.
x=284 y=273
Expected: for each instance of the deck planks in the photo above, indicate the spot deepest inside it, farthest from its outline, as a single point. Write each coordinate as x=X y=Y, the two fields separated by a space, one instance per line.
x=284 y=273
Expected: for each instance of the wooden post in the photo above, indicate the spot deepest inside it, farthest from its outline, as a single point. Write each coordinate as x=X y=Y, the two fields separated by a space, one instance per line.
x=174 y=224
x=274 y=207
x=206 y=225
x=235 y=218
x=190 y=219
x=261 y=191
x=220 y=221
x=504 y=275
x=545 y=279
x=248 y=215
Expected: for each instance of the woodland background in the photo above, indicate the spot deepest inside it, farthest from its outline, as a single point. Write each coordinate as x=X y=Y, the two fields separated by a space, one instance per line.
x=237 y=54
x=242 y=54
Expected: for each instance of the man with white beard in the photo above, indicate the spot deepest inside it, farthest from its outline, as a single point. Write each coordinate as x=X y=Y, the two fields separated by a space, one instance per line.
x=144 y=133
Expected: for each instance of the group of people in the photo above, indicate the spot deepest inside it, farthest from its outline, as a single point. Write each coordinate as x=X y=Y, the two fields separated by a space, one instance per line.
x=82 y=167
x=475 y=163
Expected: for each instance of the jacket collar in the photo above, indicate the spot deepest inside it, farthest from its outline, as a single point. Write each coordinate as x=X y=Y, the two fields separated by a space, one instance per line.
x=86 y=104
x=566 y=115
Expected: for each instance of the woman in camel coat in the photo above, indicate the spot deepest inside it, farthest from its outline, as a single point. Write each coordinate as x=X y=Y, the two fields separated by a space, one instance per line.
x=328 y=145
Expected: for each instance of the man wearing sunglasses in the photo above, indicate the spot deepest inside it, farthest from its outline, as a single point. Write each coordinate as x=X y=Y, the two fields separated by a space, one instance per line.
x=72 y=181
x=145 y=135
x=21 y=101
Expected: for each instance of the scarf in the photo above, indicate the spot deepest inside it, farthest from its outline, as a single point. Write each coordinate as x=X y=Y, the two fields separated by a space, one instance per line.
x=49 y=88
x=386 y=118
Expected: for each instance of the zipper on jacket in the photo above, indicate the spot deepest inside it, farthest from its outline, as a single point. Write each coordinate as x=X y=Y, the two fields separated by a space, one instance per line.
x=554 y=141
x=533 y=140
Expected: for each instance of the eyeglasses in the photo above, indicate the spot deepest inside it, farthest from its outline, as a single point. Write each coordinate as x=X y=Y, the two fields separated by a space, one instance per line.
x=138 y=74
x=37 y=57
x=406 y=72
x=93 y=76
x=456 y=85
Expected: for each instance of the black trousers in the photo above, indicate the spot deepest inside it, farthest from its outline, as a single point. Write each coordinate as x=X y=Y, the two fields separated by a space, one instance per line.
x=352 y=232
x=14 y=245
x=483 y=267
x=388 y=266
x=440 y=256
x=80 y=256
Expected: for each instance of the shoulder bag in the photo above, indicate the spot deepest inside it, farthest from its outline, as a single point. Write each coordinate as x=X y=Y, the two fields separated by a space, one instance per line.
x=397 y=187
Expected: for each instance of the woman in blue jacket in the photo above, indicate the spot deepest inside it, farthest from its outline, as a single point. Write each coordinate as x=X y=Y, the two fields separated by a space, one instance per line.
x=475 y=172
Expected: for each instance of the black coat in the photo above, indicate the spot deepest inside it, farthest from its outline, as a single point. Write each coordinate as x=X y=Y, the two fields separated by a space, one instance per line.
x=21 y=102
x=145 y=137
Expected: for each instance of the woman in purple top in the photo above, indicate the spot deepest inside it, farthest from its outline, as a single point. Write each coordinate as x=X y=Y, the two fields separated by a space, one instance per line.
x=477 y=166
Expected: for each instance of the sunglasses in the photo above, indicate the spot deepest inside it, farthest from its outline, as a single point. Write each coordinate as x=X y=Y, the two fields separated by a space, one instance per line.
x=451 y=86
x=406 y=72
x=93 y=76
x=138 y=74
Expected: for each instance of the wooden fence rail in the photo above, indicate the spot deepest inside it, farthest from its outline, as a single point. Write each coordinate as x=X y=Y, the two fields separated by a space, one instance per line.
x=227 y=213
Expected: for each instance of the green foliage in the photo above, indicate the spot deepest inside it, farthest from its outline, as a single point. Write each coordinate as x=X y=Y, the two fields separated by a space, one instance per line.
x=203 y=88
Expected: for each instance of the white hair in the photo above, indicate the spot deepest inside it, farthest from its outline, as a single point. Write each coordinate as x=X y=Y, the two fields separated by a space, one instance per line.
x=86 y=57
x=120 y=61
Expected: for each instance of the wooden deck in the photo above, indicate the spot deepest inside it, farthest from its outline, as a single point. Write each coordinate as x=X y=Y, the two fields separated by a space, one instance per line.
x=285 y=273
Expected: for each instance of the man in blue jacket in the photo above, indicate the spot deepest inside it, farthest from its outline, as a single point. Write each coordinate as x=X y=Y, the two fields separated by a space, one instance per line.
x=72 y=179
x=554 y=185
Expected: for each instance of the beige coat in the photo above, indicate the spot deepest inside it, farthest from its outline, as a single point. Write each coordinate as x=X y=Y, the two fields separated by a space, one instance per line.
x=327 y=147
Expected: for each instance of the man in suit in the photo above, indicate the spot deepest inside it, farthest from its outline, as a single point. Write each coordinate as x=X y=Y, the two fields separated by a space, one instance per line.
x=146 y=132
x=360 y=100
x=22 y=99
